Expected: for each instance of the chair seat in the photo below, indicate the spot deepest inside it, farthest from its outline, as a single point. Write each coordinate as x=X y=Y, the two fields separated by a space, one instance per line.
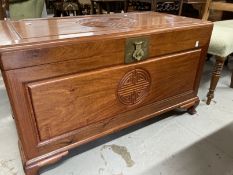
x=221 y=43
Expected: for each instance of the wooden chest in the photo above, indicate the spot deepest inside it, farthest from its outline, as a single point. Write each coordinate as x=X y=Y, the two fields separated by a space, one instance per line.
x=73 y=80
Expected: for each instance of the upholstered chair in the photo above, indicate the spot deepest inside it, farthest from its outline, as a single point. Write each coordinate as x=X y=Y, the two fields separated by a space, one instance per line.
x=221 y=43
x=21 y=9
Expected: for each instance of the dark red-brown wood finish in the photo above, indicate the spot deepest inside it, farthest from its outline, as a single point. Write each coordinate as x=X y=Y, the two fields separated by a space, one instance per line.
x=68 y=81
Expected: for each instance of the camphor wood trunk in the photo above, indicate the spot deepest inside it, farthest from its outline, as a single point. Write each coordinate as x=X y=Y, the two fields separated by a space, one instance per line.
x=73 y=80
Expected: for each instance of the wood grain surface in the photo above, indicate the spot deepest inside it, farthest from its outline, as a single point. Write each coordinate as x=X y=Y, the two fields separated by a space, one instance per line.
x=66 y=77
x=82 y=99
x=57 y=30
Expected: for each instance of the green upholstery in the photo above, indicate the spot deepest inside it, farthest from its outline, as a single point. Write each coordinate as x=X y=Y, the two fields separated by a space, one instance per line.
x=221 y=43
x=21 y=9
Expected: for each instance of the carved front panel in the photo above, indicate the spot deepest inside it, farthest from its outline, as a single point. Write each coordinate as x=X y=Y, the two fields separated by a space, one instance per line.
x=64 y=104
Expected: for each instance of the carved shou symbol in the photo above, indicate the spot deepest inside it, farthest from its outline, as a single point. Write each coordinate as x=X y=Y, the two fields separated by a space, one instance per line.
x=134 y=86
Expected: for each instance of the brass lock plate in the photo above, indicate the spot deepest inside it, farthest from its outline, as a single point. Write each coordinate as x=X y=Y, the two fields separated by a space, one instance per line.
x=136 y=49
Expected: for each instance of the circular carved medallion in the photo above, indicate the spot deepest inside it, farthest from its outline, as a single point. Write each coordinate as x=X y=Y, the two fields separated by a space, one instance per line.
x=133 y=87
x=112 y=22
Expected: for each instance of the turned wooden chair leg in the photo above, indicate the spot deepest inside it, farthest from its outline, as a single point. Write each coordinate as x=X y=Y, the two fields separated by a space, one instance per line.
x=215 y=77
x=231 y=80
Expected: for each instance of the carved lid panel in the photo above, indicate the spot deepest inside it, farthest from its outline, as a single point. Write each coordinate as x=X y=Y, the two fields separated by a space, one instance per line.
x=84 y=27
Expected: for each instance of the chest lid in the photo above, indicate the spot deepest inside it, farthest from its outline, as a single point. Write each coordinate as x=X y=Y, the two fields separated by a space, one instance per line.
x=56 y=30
